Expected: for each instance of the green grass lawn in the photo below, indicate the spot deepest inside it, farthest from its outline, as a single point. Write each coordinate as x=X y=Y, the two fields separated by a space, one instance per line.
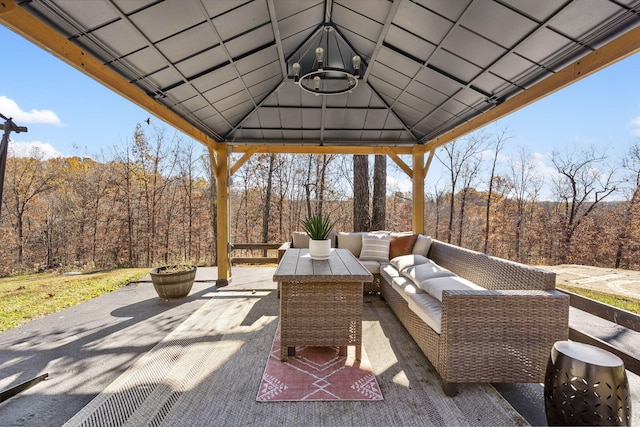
x=619 y=301
x=25 y=298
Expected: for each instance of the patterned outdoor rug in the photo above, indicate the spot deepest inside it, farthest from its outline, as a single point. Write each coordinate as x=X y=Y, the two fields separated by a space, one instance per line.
x=317 y=373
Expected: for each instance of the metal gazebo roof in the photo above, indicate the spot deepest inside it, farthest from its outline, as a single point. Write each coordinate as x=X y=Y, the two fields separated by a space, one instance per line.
x=431 y=65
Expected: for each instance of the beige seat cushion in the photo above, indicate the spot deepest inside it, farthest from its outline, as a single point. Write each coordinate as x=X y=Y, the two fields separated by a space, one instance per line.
x=372 y=266
x=428 y=309
x=434 y=287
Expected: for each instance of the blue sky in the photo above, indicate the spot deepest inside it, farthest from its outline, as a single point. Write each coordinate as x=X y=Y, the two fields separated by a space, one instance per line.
x=68 y=113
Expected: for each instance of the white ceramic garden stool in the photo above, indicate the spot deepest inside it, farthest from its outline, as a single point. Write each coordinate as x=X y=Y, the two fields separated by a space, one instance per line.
x=586 y=385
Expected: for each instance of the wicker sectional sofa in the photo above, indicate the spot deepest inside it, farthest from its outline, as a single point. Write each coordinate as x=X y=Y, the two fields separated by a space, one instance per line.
x=477 y=318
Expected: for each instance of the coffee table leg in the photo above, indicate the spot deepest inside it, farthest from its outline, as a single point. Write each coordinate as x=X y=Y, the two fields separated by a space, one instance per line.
x=358 y=352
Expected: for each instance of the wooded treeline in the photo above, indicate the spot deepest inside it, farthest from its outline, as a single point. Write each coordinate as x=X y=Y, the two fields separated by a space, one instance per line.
x=153 y=202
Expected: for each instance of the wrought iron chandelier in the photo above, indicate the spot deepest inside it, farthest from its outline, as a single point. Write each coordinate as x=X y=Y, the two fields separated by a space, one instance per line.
x=323 y=72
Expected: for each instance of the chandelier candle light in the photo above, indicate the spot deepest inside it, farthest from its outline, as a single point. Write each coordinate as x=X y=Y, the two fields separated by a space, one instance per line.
x=323 y=77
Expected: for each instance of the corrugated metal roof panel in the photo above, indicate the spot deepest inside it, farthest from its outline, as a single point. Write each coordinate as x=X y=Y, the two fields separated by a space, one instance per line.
x=432 y=64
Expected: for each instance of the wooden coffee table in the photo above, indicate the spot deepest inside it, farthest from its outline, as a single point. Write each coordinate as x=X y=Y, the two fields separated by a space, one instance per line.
x=320 y=300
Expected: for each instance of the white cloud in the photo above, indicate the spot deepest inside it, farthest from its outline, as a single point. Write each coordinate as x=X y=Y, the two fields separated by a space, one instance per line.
x=634 y=125
x=399 y=184
x=10 y=108
x=43 y=150
x=541 y=163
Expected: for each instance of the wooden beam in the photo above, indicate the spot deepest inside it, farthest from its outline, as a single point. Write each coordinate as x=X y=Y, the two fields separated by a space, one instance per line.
x=26 y=25
x=212 y=159
x=417 y=198
x=237 y=165
x=293 y=148
x=618 y=49
x=222 y=189
x=401 y=164
x=428 y=165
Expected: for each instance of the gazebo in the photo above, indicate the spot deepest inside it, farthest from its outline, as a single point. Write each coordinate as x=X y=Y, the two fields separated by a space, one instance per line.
x=396 y=78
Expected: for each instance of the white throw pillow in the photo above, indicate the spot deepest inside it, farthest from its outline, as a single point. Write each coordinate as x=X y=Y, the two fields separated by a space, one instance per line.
x=375 y=247
x=404 y=261
x=420 y=273
x=434 y=287
x=422 y=245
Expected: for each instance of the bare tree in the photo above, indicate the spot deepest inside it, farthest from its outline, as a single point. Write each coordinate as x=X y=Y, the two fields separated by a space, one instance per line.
x=468 y=173
x=631 y=164
x=309 y=184
x=187 y=166
x=379 y=206
x=526 y=184
x=266 y=212
x=323 y=163
x=361 y=218
x=499 y=142
x=580 y=187
x=27 y=178
x=457 y=157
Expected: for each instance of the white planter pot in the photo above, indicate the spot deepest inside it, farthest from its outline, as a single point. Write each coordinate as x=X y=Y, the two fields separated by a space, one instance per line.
x=319 y=249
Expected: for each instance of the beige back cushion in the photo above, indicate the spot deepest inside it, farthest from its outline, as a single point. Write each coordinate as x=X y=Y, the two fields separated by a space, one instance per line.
x=300 y=239
x=422 y=245
x=351 y=241
x=375 y=247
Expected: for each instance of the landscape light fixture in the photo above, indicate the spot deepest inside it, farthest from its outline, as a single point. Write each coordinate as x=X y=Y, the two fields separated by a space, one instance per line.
x=323 y=71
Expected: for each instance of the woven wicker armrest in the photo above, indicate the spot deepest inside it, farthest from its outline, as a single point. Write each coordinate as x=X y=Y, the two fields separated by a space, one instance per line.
x=480 y=312
x=501 y=335
x=284 y=246
x=282 y=249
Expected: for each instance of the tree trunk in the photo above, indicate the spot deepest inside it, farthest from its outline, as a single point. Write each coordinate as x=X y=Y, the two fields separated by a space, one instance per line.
x=499 y=144
x=266 y=212
x=379 y=209
x=463 y=202
x=361 y=219
x=307 y=186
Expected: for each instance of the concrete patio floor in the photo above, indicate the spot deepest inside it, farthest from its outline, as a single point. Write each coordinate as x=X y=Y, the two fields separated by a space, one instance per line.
x=93 y=343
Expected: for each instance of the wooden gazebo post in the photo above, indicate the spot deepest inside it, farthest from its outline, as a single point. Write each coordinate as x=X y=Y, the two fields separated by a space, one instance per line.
x=417 y=199
x=219 y=156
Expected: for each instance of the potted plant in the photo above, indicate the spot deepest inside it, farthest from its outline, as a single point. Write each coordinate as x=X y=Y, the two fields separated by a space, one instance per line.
x=318 y=228
x=173 y=281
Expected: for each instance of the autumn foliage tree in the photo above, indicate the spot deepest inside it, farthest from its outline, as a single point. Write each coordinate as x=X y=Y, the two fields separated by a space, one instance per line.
x=153 y=201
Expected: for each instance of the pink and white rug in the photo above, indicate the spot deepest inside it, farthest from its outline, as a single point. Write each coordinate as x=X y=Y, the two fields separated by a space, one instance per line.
x=317 y=373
